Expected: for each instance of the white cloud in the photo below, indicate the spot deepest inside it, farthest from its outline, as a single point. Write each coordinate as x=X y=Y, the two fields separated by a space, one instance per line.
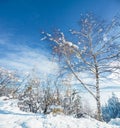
x=26 y=59
x=84 y=76
x=115 y=76
x=89 y=79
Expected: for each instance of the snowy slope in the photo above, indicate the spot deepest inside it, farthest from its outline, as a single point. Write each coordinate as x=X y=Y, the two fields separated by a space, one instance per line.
x=12 y=117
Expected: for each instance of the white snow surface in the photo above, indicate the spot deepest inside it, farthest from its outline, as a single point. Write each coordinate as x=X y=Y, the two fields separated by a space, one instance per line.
x=12 y=117
x=115 y=121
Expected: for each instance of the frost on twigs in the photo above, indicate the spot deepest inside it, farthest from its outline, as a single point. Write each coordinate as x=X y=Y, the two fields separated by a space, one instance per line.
x=43 y=38
x=62 y=46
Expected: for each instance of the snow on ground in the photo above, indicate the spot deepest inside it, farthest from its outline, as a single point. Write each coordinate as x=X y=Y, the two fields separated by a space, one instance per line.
x=115 y=121
x=12 y=117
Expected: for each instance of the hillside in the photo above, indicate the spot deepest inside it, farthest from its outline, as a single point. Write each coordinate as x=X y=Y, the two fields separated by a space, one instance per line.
x=12 y=117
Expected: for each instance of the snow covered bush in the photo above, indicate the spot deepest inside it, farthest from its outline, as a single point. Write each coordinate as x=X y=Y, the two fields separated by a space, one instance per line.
x=28 y=101
x=45 y=96
x=44 y=99
x=112 y=109
x=72 y=104
x=8 y=82
x=38 y=97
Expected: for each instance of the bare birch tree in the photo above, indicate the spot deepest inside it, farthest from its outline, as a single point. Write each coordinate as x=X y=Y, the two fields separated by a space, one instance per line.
x=93 y=49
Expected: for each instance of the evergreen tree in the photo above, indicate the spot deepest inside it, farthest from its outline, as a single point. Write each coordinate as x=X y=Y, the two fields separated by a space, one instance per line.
x=112 y=109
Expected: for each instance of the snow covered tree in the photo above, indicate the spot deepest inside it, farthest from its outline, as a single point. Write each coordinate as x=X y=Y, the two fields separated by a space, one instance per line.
x=93 y=50
x=8 y=81
x=29 y=98
x=72 y=104
x=112 y=109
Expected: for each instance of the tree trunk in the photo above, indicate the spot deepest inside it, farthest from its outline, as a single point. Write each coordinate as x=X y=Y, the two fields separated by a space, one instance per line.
x=99 y=113
x=45 y=110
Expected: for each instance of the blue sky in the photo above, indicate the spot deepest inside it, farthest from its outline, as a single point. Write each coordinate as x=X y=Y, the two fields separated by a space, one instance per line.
x=21 y=22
